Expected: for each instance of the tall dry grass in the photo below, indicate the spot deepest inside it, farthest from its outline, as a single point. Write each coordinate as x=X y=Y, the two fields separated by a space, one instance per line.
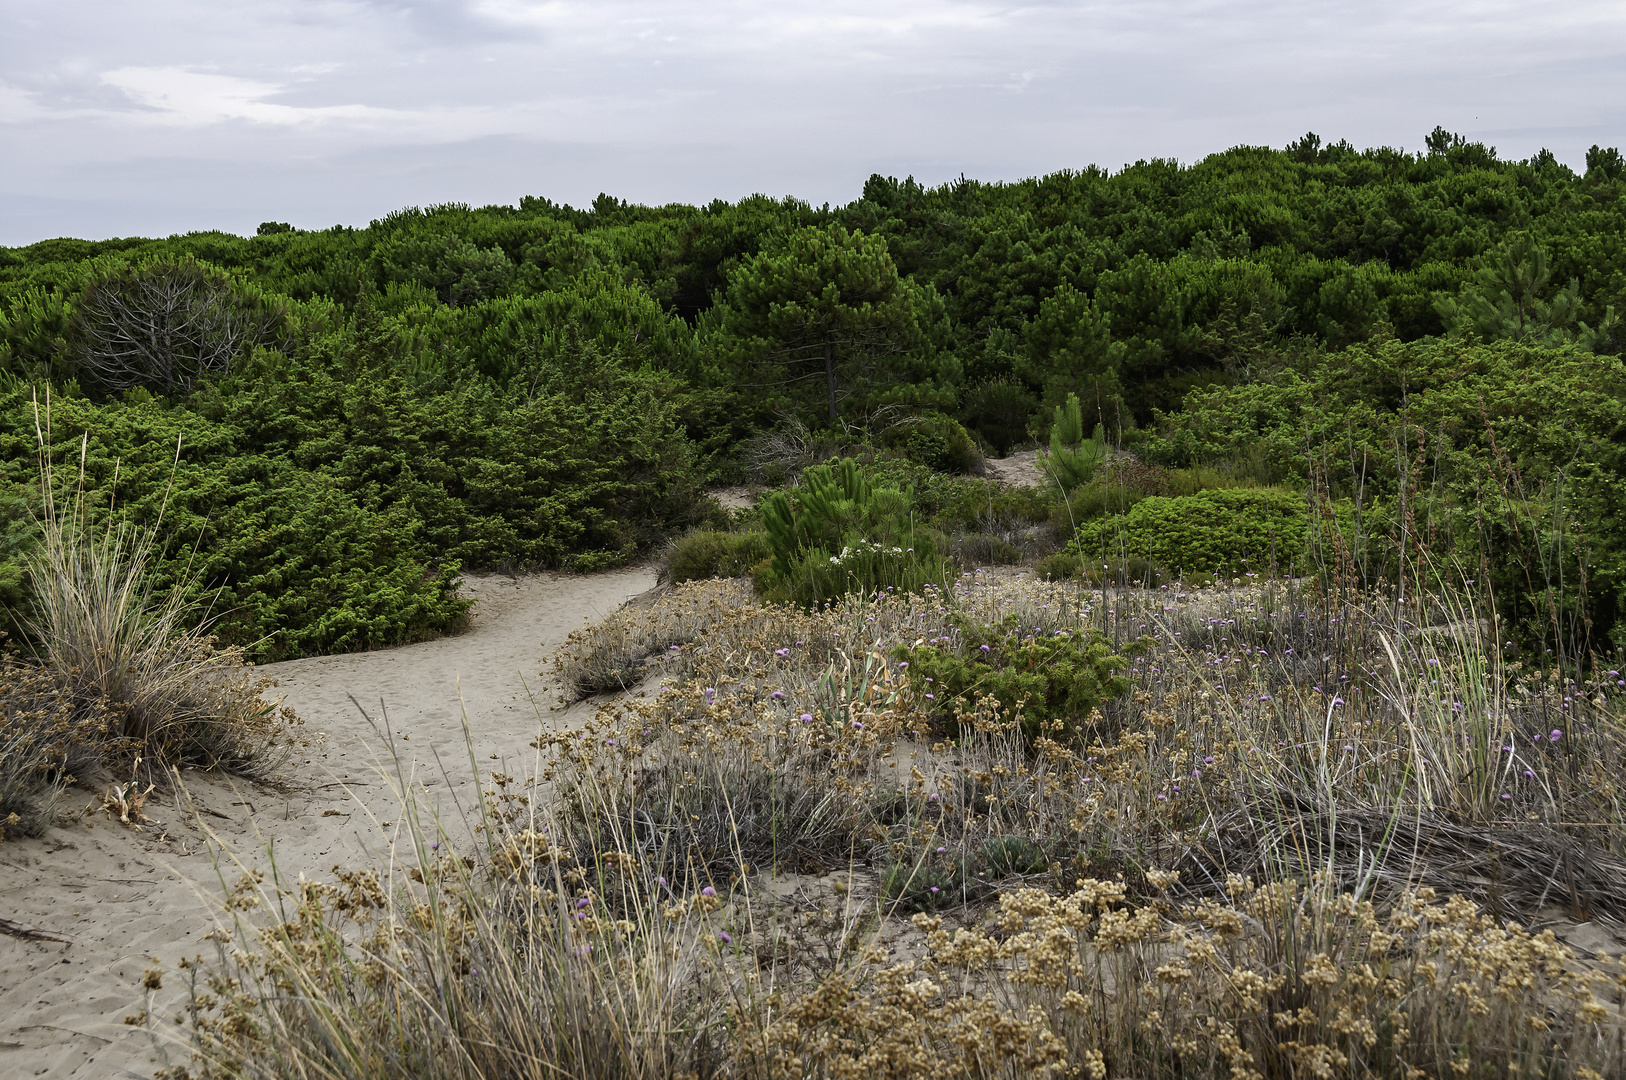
x=119 y=673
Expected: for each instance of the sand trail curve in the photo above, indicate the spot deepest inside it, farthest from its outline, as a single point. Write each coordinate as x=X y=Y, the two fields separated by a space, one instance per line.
x=86 y=908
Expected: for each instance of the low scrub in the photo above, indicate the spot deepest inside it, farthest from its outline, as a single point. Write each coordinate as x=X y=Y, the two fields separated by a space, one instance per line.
x=1052 y=679
x=710 y=554
x=1217 y=531
x=1216 y=884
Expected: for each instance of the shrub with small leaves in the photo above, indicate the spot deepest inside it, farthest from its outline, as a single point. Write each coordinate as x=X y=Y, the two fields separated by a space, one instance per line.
x=1225 y=530
x=1055 y=681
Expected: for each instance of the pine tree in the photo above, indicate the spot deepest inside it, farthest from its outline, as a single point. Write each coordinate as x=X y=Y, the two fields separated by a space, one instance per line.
x=1072 y=460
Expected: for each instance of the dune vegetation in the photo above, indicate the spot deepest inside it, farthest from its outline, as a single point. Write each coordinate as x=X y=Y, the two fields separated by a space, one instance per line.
x=1268 y=732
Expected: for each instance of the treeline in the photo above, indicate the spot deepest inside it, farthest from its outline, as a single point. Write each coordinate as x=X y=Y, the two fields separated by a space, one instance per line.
x=436 y=362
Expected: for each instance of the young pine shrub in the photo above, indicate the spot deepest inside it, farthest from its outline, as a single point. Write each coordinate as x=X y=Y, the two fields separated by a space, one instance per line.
x=841 y=535
x=1072 y=459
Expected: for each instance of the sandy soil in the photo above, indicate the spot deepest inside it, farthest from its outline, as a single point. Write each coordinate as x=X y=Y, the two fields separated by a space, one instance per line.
x=1020 y=469
x=109 y=899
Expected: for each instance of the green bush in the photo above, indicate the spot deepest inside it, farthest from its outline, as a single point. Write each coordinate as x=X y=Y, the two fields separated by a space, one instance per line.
x=938 y=442
x=1057 y=680
x=1223 y=530
x=841 y=535
x=999 y=411
x=710 y=554
x=322 y=514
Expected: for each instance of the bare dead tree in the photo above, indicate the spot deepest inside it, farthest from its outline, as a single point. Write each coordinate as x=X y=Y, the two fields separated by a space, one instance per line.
x=165 y=326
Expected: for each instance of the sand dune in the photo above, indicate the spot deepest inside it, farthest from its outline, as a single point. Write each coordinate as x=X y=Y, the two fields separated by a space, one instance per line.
x=89 y=906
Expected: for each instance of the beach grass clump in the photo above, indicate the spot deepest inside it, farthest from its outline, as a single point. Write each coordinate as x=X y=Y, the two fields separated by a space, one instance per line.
x=117 y=673
x=494 y=959
x=707 y=553
x=111 y=641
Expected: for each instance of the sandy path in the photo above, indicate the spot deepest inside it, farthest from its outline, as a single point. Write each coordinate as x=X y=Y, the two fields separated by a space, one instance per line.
x=1021 y=469
x=120 y=897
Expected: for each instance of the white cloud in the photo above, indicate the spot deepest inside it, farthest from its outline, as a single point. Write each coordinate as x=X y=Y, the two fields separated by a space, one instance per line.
x=324 y=106
x=193 y=98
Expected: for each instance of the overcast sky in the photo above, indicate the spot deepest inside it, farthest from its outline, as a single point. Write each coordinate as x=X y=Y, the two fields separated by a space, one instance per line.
x=122 y=118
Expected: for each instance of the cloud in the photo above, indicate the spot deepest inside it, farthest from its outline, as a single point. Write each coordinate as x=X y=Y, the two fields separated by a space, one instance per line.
x=371 y=103
x=193 y=98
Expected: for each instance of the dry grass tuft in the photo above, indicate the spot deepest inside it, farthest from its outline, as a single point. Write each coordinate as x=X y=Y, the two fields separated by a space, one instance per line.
x=120 y=674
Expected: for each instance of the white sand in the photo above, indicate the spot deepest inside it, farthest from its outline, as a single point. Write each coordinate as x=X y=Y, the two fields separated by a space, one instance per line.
x=121 y=896
x=1021 y=469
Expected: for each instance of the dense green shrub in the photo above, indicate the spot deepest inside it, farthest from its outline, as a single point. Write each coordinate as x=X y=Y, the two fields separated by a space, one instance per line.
x=842 y=535
x=999 y=411
x=1057 y=681
x=327 y=514
x=936 y=441
x=1226 y=530
x=707 y=553
x=1510 y=460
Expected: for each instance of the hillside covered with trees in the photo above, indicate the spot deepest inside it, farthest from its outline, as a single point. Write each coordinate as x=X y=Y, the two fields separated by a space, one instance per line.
x=334 y=422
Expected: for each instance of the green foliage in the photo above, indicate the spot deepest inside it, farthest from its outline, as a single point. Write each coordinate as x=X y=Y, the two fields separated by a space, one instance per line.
x=1222 y=531
x=328 y=515
x=842 y=535
x=827 y=308
x=1057 y=681
x=1072 y=459
x=709 y=554
x=999 y=411
x=1013 y=854
x=520 y=343
x=936 y=441
x=1505 y=301
x=1509 y=458
x=1178 y=302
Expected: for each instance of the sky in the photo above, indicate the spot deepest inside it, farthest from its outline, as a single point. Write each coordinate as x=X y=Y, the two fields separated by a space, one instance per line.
x=166 y=116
